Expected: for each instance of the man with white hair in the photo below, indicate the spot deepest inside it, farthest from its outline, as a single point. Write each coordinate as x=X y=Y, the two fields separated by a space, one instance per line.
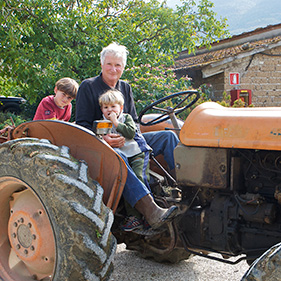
x=113 y=61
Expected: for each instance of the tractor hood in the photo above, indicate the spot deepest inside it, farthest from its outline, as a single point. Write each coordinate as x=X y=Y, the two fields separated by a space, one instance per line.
x=212 y=125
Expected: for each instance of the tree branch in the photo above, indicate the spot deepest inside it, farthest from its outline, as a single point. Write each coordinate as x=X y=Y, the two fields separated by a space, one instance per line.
x=152 y=37
x=20 y=9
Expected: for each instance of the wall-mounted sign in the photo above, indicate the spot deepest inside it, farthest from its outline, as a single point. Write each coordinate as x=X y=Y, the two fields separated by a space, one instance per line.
x=234 y=78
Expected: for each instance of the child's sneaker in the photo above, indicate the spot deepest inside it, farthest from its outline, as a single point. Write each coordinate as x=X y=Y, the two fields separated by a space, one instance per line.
x=132 y=223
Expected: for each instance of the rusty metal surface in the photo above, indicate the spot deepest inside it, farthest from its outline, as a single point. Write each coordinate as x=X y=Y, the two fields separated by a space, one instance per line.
x=22 y=247
x=213 y=125
x=31 y=235
x=201 y=167
x=6 y=134
x=267 y=267
x=105 y=166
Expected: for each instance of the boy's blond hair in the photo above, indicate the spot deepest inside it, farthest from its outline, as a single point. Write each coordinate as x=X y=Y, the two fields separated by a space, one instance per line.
x=111 y=97
x=68 y=85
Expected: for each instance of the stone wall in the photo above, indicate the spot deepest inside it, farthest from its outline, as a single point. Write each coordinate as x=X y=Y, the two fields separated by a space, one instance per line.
x=261 y=73
x=217 y=83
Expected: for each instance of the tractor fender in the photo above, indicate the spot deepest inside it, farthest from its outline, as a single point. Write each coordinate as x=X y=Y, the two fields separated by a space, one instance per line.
x=104 y=164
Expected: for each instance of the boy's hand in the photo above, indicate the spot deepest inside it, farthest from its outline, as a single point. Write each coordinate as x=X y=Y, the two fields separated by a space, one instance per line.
x=112 y=116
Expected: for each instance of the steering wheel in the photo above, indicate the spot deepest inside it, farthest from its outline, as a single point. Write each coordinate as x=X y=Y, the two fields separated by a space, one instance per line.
x=190 y=96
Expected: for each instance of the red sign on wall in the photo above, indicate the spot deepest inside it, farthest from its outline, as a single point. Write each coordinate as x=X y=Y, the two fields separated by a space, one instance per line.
x=234 y=78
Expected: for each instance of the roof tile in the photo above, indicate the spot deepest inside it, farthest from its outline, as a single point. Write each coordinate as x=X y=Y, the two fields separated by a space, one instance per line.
x=213 y=56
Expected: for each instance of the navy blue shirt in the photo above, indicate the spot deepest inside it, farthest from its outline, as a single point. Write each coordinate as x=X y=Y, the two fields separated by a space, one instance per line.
x=87 y=101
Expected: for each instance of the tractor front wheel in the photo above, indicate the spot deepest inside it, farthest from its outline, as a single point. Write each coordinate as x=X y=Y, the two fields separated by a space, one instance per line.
x=53 y=223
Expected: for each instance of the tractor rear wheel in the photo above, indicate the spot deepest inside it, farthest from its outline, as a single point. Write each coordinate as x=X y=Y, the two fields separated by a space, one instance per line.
x=267 y=267
x=53 y=223
x=158 y=247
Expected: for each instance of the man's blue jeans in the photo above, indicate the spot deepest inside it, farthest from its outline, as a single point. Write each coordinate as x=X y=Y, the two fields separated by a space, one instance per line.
x=163 y=142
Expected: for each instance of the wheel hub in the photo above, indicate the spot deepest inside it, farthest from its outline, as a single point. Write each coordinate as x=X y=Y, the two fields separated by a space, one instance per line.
x=23 y=235
x=30 y=233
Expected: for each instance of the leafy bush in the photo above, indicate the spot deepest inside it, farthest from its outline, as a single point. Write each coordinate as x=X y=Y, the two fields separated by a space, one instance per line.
x=9 y=119
x=205 y=95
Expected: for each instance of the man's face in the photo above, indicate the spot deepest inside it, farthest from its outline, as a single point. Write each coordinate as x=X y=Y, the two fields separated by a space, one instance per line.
x=112 y=70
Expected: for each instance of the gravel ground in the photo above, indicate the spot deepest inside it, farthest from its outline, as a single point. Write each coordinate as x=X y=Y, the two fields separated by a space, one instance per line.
x=130 y=266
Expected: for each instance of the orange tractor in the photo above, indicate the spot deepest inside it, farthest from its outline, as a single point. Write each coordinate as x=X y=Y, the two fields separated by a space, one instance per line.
x=61 y=192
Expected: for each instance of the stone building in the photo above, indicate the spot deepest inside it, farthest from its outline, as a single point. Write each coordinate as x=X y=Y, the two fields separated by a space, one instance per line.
x=250 y=61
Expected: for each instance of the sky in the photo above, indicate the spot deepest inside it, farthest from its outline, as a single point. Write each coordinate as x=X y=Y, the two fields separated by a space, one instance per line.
x=244 y=15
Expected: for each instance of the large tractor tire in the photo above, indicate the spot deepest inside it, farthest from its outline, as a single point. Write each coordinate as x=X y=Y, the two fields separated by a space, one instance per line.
x=267 y=267
x=53 y=223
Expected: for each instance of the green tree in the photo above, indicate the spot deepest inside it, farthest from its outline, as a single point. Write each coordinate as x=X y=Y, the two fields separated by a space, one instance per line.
x=44 y=40
x=152 y=83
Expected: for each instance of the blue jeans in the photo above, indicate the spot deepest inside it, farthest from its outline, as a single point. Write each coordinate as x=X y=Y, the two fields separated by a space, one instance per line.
x=163 y=142
x=134 y=189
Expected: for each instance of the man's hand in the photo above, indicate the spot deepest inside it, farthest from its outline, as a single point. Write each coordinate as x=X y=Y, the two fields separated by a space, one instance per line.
x=114 y=140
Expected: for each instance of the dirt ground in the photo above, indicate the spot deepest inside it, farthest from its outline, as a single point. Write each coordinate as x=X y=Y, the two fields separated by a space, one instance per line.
x=130 y=266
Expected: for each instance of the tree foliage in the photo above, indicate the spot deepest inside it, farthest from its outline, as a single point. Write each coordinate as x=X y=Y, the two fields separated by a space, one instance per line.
x=152 y=83
x=44 y=40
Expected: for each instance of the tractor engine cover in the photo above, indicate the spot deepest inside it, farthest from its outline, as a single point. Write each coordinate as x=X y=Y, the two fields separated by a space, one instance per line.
x=202 y=167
